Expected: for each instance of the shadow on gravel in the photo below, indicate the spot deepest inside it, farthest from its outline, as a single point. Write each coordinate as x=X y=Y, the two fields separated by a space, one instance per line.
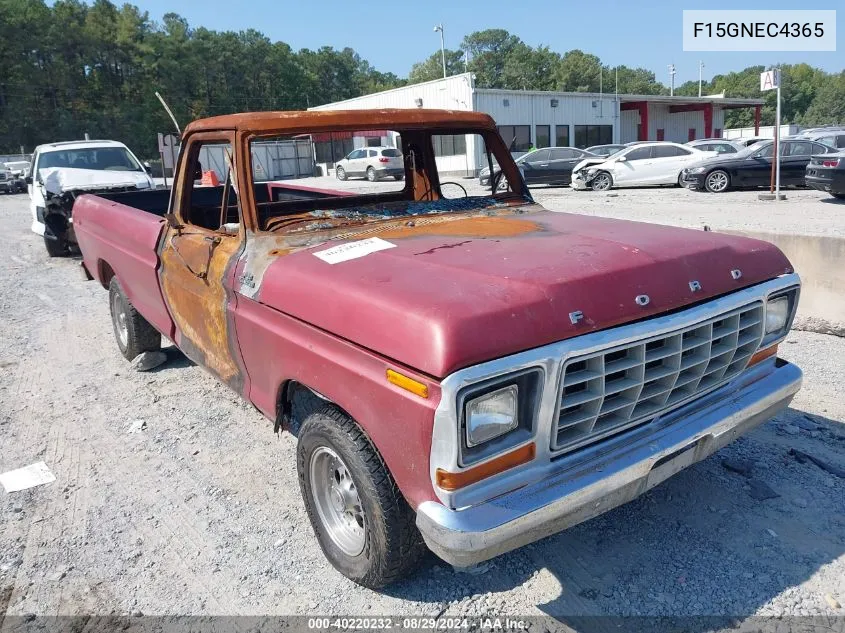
x=728 y=537
x=175 y=360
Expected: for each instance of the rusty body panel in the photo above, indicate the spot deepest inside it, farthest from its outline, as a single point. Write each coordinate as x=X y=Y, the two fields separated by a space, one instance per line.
x=465 y=281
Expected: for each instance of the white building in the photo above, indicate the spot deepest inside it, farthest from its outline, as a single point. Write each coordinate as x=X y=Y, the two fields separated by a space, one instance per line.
x=528 y=118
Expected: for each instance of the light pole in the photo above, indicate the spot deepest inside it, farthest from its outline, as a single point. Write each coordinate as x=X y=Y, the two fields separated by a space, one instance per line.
x=437 y=28
x=700 y=70
x=672 y=80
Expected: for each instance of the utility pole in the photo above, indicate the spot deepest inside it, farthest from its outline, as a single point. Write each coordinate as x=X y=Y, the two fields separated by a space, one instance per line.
x=700 y=71
x=671 y=80
x=439 y=28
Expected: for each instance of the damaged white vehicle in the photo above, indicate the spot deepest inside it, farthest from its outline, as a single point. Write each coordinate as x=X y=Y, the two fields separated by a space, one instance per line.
x=61 y=171
x=640 y=165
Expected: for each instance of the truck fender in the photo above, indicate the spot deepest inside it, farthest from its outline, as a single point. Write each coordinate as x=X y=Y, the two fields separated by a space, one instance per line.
x=294 y=402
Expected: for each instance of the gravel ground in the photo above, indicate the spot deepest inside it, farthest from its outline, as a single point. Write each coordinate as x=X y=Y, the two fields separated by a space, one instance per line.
x=199 y=512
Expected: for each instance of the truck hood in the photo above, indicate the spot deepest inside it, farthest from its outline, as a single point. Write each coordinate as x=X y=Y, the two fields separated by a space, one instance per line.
x=57 y=180
x=457 y=291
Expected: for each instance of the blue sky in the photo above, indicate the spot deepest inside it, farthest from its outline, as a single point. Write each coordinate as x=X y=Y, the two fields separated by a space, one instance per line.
x=392 y=35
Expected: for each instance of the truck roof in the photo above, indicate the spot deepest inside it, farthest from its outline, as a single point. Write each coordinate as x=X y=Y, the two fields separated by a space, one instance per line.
x=71 y=145
x=324 y=120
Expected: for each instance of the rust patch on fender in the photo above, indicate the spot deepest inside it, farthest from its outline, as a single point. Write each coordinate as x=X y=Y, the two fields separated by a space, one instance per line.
x=483 y=226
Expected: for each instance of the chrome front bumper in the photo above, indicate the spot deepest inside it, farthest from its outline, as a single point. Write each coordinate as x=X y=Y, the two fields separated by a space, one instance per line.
x=620 y=474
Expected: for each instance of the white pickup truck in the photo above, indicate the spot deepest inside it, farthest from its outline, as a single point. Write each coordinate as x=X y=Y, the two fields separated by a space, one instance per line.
x=60 y=171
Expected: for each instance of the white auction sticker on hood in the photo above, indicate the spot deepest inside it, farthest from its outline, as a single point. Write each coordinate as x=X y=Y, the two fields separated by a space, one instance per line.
x=353 y=250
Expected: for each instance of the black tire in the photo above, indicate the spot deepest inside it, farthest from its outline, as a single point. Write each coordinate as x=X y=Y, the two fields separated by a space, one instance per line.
x=58 y=247
x=371 y=174
x=602 y=181
x=717 y=181
x=838 y=196
x=140 y=336
x=401 y=177
x=392 y=545
x=340 y=172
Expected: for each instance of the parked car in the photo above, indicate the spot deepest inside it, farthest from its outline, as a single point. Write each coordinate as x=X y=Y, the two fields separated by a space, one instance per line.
x=720 y=146
x=827 y=173
x=833 y=138
x=470 y=373
x=61 y=171
x=605 y=150
x=10 y=182
x=643 y=164
x=547 y=166
x=748 y=141
x=372 y=163
x=752 y=167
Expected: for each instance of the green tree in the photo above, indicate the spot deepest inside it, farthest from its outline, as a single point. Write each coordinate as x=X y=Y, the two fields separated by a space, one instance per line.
x=432 y=67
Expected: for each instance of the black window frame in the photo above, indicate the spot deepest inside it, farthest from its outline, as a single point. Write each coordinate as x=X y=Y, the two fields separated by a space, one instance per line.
x=565 y=137
x=548 y=136
x=510 y=136
x=589 y=135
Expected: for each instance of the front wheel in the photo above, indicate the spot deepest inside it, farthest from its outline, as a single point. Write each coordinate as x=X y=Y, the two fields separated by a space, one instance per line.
x=602 y=181
x=363 y=524
x=133 y=333
x=717 y=181
x=57 y=247
x=371 y=174
x=340 y=172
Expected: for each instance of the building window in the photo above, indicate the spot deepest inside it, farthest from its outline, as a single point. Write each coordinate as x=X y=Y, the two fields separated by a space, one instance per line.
x=562 y=135
x=374 y=141
x=516 y=137
x=661 y=134
x=717 y=133
x=543 y=139
x=449 y=144
x=589 y=135
x=691 y=134
x=330 y=148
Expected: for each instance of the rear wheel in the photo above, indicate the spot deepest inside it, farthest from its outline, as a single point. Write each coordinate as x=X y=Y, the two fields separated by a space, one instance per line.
x=364 y=526
x=340 y=172
x=839 y=196
x=717 y=181
x=371 y=174
x=133 y=333
x=602 y=181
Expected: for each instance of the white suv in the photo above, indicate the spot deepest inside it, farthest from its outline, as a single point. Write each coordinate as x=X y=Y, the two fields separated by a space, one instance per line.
x=371 y=163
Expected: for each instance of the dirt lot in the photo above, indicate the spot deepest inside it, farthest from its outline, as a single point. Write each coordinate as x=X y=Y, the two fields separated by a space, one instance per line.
x=199 y=512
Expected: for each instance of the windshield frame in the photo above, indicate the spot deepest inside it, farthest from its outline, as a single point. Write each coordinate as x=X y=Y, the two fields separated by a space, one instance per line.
x=381 y=206
x=89 y=151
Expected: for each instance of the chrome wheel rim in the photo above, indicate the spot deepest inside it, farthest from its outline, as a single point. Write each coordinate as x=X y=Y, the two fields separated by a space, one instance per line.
x=118 y=317
x=337 y=502
x=601 y=182
x=717 y=181
x=371 y=175
x=340 y=173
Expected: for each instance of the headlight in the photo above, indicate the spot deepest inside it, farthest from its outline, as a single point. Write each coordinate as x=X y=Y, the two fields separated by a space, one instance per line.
x=498 y=414
x=779 y=312
x=697 y=170
x=492 y=415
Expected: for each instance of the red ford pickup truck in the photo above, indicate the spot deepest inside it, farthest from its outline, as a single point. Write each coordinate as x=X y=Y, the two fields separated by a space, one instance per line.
x=469 y=373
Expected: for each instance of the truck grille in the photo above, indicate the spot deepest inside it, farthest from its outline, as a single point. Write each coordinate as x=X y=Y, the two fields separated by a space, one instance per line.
x=607 y=392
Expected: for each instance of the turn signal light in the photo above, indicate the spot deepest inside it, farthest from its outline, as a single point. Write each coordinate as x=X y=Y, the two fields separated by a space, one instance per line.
x=454 y=481
x=406 y=383
x=763 y=354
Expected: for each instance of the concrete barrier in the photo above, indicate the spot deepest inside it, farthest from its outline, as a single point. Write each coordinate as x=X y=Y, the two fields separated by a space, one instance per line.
x=820 y=261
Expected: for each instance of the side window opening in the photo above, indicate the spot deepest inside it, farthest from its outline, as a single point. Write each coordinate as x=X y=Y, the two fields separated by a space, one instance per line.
x=212 y=201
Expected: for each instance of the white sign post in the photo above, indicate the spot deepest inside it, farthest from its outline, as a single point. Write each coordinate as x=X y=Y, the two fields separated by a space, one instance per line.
x=770 y=80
